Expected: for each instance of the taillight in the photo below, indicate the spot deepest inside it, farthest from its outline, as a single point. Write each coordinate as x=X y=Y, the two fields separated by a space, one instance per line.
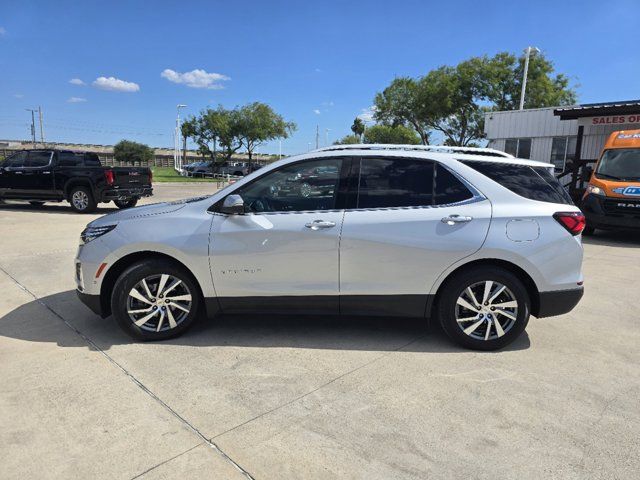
x=574 y=222
x=108 y=176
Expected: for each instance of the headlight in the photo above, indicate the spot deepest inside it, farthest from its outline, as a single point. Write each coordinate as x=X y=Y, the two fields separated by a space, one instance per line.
x=595 y=190
x=91 y=233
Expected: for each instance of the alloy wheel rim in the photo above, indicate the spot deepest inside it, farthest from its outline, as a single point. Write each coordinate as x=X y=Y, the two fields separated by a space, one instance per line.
x=80 y=200
x=158 y=303
x=305 y=189
x=486 y=310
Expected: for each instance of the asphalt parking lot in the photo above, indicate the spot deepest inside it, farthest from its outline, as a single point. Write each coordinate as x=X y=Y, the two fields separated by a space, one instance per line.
x=275 y=398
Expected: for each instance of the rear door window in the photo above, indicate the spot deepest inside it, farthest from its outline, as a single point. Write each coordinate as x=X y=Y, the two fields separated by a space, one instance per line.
x=70 y=159
x=405 y=182
x=534 y=183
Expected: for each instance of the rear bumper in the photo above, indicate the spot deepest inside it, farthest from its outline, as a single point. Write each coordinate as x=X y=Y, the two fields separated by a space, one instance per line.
x=595 y=210
x=116 y=193
x=558 y=302
x=91 y=301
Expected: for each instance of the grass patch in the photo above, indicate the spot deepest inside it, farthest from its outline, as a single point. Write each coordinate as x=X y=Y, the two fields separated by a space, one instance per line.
x=168 y=174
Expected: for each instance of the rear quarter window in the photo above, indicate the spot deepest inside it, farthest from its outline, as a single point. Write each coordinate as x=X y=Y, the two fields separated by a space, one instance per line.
x=534 y=183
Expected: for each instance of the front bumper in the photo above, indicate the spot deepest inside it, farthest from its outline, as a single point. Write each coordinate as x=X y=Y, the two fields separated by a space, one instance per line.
x=611 y=212
x=91 y=301
x=116 y=193
x=558 y=302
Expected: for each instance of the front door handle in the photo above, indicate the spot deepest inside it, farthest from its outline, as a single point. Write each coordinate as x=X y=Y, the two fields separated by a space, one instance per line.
x=320 y=224
x=453 y=219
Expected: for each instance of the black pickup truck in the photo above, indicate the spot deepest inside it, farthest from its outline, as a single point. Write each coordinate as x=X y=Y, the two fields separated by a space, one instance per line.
x=40 y=176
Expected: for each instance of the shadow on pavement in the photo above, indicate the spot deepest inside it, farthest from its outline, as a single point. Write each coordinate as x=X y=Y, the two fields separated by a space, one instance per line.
x=29 y=322
x=613 y=238
x=62 y=207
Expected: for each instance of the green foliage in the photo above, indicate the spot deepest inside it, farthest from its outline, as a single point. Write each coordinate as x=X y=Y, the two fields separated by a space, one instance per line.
x=357 y=127
x=398 y=134
x=453 y=100
x=231 y=129
x=130 y=152
x=259 y=123
x=348 y=140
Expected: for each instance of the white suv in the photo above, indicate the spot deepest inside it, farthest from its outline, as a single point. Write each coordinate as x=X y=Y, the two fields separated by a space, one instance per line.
x=472 y=237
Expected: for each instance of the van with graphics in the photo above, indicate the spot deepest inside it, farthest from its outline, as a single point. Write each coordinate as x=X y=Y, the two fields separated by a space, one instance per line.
x=612 y=197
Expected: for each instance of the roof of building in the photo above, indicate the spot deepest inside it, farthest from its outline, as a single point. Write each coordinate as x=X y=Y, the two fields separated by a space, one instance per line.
x=572 y=112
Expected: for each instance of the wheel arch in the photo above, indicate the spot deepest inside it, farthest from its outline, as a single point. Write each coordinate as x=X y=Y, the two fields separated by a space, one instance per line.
x=522 y=275
x=77 y=182
x=112 y=275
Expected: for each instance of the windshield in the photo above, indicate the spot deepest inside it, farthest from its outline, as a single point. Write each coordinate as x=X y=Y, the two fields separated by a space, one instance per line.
x=620 y=164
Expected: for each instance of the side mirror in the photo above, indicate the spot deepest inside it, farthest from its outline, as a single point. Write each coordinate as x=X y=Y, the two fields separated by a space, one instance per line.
x=233 y=205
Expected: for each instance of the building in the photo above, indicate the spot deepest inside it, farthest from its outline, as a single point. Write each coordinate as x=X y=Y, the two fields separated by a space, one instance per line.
x=560 y=134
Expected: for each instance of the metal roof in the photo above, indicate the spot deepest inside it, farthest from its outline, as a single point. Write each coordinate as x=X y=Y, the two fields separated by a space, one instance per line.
x=593 y=109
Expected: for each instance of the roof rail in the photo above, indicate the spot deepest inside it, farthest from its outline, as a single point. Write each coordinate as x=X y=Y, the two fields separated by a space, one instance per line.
x=490 y=152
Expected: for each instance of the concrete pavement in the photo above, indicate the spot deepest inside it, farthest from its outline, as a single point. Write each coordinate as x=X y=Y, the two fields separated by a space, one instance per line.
x=262 y=398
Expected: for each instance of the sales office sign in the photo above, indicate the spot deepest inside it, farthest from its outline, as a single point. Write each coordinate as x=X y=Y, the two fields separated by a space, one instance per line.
x=611 y=120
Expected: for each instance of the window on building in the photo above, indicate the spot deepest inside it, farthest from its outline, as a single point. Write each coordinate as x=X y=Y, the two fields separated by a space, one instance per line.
x=562 y=149
x=518 y=147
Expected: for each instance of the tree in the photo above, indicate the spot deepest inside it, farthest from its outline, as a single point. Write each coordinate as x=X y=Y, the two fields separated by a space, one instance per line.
x=348 y=140
x=358 y=127
x=399 y=104
x=453 y=100
x=259 y=123
x=398 y=134
x=213 y=128
x=127 y=151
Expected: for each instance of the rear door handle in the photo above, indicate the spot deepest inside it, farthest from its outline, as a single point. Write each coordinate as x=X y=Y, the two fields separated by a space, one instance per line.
x=320 y=224
x=453 y=219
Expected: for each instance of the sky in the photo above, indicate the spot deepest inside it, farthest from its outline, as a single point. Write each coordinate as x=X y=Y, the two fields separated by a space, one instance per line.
x=104 y=71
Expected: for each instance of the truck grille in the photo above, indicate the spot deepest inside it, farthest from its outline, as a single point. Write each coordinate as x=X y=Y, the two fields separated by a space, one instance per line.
x=622 y=206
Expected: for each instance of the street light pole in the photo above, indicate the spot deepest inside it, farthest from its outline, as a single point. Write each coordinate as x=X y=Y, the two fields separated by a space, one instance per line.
x=177 y=159
x=525 y=73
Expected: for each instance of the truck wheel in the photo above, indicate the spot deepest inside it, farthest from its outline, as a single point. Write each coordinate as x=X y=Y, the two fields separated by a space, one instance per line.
x=81 y=200
x=484 y=308
x=588 y=230
x=128 y=203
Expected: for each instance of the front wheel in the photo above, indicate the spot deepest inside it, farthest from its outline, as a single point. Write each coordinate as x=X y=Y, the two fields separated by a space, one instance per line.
x=484 y=308
x=127 y=203
x=155 y=300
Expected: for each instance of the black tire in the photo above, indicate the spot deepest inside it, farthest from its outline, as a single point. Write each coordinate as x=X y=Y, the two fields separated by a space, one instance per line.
x=454 y=288
x=146 y=269
x=588 y=230
x=128 y=203
x=81 y=200
x=36 y=204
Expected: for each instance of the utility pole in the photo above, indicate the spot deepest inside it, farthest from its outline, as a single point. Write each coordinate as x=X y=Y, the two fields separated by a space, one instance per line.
x=41 y=127
x=33 y=125
x=525 y=73
x=280 y=149
x=326 y=136
x=317 y=136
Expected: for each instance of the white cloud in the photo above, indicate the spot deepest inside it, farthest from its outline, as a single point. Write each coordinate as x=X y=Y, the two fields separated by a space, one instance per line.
x=76 y=100
x=76 y=81
x=3 y=31
x=317 y=70
x=197 y=78
x=18 y=95
x=115 y=84
x=316 y=111
x=367 y=114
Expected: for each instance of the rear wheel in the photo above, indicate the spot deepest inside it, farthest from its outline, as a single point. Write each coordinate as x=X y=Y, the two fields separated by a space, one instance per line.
x=484 y=308
x=81 y=200
x=127 y=203
x=155 y=300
